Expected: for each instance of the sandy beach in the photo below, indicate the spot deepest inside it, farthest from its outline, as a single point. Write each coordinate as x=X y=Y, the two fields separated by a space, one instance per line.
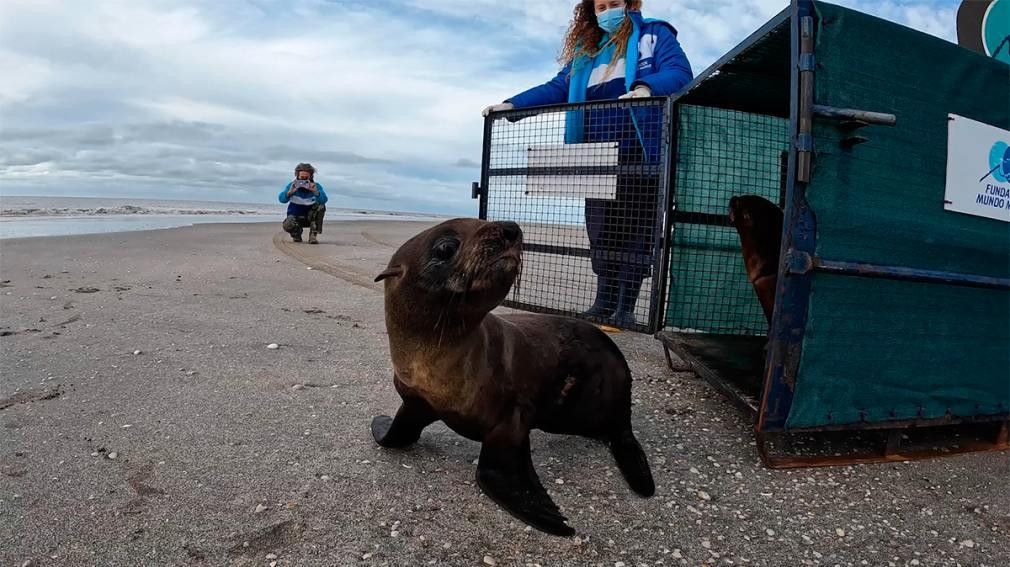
x=208 y=448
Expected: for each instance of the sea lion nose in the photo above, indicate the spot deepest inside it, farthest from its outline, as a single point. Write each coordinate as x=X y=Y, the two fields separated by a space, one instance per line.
x=510 y=231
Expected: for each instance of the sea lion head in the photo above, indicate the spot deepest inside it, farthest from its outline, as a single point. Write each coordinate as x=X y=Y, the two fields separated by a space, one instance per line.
x=461 y=264
x=754 y=214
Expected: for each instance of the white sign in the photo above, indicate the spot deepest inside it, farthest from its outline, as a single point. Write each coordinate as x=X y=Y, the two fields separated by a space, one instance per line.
x=978 y=169
x=572 y=186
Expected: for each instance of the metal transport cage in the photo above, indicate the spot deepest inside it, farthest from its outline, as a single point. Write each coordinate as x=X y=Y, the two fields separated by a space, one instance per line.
x=891 y=310
x=589 y=185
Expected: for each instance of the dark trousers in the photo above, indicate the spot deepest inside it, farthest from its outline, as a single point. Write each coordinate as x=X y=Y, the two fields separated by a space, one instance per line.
x=622 y=231
x=294 y=225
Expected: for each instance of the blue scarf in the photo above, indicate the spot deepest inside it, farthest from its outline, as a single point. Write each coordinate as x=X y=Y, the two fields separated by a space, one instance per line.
x=583 y=66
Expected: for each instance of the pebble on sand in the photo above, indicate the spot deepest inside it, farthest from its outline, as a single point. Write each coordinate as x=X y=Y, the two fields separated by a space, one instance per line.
x=298 y=387
x=273 y=346
x=271 y=556
x=113 y=455
x=261 y=508
x=488 y=560
x=137 y=352
x=968 y=543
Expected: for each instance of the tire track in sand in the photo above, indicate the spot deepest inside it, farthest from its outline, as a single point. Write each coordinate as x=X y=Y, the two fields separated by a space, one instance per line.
x=305 y=254
x=373 y=238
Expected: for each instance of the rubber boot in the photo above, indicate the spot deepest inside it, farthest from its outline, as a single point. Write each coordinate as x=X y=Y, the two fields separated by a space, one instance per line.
x=606 y=299
x=312 y=237
x=627 y=296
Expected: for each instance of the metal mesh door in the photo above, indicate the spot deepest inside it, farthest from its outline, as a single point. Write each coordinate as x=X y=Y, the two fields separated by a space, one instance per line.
x=588 y=185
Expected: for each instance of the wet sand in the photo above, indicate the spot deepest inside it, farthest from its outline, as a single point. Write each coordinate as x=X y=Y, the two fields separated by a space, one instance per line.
x=208 y=448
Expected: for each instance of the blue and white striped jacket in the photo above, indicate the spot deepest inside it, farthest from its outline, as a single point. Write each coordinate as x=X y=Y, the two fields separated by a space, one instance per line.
x=662 y=66
x=300 y=203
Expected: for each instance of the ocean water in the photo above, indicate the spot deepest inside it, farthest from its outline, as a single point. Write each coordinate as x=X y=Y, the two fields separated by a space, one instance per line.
x=22 y=217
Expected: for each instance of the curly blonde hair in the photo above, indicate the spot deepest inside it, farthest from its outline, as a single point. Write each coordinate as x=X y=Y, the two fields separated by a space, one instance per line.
x=584 y=34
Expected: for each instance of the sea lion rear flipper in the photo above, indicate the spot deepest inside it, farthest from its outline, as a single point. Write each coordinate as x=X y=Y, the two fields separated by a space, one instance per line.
x=505 y=473
x=405 y=429
x=632 y=461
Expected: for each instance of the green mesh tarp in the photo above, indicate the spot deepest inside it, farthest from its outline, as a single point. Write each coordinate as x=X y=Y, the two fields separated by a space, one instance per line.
x=719 y=154
x=878 y=350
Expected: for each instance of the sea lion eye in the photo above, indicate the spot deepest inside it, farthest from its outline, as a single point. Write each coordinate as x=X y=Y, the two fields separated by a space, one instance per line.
x=446 y=249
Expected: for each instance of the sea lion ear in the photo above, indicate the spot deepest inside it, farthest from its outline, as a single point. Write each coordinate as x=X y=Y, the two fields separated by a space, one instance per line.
x=392 y=271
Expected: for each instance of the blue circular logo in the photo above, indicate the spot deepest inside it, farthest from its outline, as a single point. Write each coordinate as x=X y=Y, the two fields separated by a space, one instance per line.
x=999 y=161
x=996 y=30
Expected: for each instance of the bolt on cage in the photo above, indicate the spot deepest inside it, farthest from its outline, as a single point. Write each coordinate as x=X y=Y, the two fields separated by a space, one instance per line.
x=882 y=318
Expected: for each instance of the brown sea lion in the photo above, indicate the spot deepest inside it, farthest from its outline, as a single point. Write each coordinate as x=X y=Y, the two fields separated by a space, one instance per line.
x=494 y=378
x=758 y=221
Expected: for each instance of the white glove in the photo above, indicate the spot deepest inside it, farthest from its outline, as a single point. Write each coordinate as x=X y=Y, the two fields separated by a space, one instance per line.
x=496 y=108
x=641 y=91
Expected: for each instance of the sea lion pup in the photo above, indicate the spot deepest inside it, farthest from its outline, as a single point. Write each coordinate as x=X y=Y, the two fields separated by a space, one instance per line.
x=494 y=378
x=758 y=221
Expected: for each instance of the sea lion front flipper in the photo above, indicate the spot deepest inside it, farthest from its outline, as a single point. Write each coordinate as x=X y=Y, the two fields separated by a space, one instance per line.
x=505 y=473
x=765 y=289
x=405 y=429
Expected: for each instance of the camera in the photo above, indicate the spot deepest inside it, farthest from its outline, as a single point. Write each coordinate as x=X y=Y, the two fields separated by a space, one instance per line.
x=302 y=184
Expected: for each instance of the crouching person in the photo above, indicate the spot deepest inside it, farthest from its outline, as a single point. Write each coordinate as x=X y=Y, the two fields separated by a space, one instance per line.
x=306 y=201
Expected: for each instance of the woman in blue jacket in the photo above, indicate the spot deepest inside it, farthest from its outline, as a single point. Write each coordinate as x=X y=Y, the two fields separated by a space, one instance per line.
x=603 y=36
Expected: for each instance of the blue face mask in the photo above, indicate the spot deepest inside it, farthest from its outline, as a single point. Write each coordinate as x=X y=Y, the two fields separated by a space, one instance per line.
x=611 y=19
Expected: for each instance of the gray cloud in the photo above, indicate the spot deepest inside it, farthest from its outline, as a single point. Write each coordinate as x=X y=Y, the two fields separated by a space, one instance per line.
x=466 y=162
x=295 y=155
x=27 y=157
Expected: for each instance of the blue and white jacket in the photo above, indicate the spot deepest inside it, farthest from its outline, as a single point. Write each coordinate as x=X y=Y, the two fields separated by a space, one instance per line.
x=300 y=203
x=662 y=66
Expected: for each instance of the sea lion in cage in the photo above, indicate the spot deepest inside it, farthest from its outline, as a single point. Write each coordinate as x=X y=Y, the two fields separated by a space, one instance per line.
x=758 y=221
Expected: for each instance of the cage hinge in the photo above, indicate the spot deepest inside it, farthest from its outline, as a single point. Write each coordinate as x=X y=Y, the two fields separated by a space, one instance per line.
x=476 y=190
x=806 y=62
x=804 y=143
x=798 y=262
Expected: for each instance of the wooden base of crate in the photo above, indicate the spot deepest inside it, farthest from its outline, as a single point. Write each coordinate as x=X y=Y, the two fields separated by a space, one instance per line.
x=734 y=365
x=895 y=447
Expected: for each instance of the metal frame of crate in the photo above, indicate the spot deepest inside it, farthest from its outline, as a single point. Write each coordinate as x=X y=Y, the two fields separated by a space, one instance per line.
x=589 y=185
x=848 y=296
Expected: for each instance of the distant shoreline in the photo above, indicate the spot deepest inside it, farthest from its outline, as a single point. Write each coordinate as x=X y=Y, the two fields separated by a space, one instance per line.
x=20 y=206
x=31 y=217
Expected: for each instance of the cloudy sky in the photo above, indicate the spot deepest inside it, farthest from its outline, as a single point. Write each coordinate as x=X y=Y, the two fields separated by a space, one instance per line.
x=219 y=100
